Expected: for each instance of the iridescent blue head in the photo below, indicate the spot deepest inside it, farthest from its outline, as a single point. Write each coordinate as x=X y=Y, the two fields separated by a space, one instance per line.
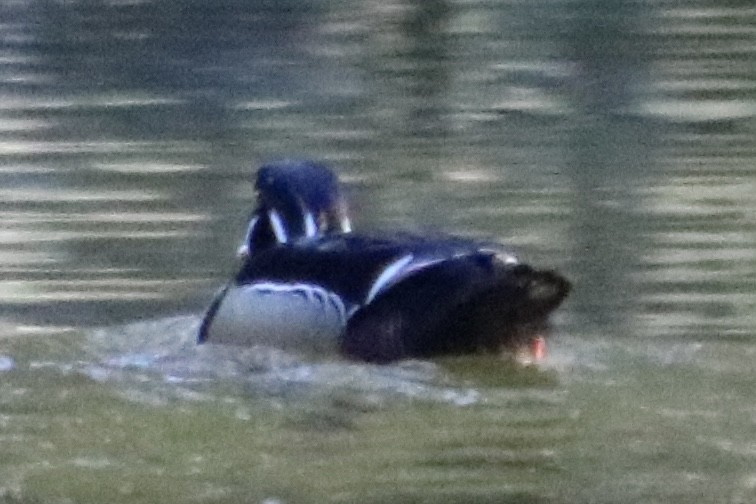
x=296 y=200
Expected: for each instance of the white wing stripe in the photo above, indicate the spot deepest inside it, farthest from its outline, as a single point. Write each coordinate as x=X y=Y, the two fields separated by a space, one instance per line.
x=388 y=273
x=502 y=255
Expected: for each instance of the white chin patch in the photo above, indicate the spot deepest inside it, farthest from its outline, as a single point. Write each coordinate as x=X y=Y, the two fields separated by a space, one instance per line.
x=243 y=251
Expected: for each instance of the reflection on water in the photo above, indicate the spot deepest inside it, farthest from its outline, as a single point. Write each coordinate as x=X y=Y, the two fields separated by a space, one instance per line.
x=611 y=140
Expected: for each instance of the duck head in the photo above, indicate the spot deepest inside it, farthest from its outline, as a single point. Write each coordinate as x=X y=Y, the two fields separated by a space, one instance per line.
x=295 y=200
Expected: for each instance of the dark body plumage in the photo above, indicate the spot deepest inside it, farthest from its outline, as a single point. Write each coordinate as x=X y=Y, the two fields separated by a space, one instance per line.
x=377 y=298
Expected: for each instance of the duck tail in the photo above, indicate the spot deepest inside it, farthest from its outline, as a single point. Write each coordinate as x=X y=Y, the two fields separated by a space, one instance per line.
x=542 y=290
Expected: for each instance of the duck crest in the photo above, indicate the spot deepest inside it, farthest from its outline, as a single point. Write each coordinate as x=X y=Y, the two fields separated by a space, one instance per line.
x=296 y=200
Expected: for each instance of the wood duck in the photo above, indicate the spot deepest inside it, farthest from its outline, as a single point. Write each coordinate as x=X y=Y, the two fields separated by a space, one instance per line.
x=307 y=282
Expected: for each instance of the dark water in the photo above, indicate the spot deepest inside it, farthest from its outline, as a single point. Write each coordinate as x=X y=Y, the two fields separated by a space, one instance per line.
x=612 y=140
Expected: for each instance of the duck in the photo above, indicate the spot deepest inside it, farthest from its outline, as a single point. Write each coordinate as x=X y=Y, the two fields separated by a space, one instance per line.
x=308 y=282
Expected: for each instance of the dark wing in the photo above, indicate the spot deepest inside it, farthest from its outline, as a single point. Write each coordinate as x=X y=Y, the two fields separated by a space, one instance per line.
x=464 y=304
x=404 y=318
x=429 y=254
x=359 y=268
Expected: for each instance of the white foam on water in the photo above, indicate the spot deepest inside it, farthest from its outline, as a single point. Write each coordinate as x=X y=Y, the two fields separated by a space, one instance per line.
x=156 y=359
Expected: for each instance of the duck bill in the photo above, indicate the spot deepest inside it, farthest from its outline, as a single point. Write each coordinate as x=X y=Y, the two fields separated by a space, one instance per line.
x=532 y=352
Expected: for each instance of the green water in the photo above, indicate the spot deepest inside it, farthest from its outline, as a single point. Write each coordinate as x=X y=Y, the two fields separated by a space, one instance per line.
x=613 y=141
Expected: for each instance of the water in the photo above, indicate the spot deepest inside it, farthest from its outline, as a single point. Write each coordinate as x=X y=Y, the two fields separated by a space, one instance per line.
x=610 y=140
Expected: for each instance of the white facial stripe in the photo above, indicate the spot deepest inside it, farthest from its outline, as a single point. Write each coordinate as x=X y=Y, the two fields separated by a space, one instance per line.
x=388 y=273
x=346 y=226
x=278 y=227
x=313 y=293
x=311 y=229
x=243 y=250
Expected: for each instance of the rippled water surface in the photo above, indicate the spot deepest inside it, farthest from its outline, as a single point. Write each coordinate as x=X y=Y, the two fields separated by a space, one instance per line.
x=613 y=141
